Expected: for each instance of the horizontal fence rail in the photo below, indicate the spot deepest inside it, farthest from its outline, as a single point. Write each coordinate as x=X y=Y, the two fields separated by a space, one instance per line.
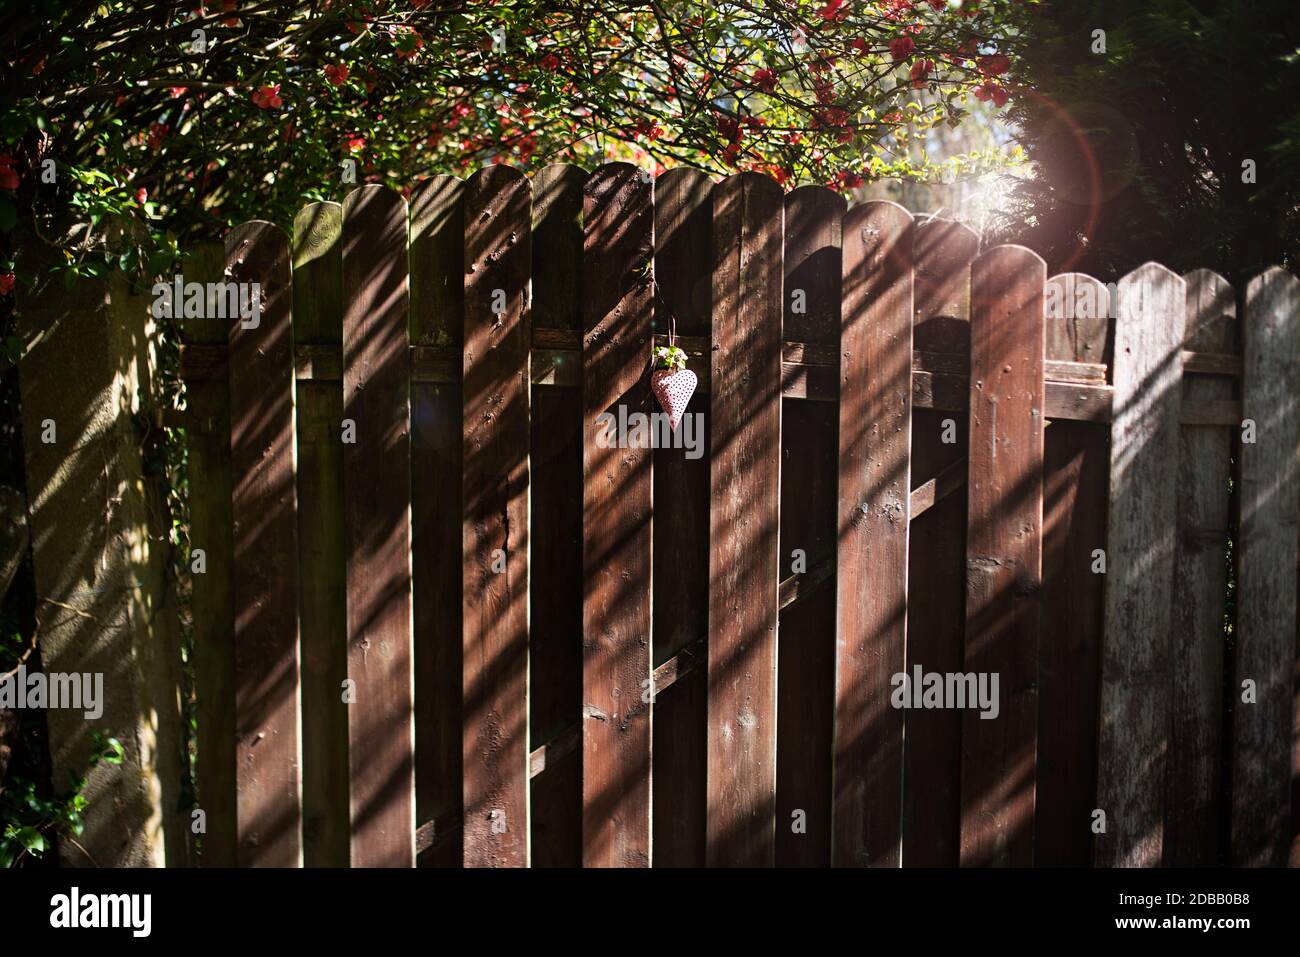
x=957 y=563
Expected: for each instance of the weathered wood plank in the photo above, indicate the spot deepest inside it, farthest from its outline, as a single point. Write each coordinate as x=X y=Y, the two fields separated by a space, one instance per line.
x=683 y=280
x=1076 y=470
x=806 y=650
x=943 y=252
x=212 y=604
x=744 y=564
x=1141 y=521
x=1193 y=774
x=618 y=223
x=437 y=256
x=1265 y=636
x=498 y=233
x=872 y=522
x=555 y=592
x=1004 y=557
x=269 y=773
x=322 y=555
x=377 y=486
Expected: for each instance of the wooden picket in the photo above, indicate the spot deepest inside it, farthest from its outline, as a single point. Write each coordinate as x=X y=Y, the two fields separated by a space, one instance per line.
x=618 y=224
x=1003 y=555
x=1076 y=462
x=265 y=556
x=1140 y=566
x=498 y=229
x=745 y=410
x=322 y=547
x=942 y=253
x=377 y=483
x=434 y=615
x=872 y=523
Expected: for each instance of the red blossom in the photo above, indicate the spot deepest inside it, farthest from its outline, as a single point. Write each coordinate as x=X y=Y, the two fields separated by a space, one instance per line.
x=6 y=283
x=834 y=10
x=268 y=97
x=142 y=195
x=336 y=73
x=765 y=80
x=994 y=65
x=156 y=133
x=901 y=47
x=921 y=70
x=992 y=91
x=9 y=178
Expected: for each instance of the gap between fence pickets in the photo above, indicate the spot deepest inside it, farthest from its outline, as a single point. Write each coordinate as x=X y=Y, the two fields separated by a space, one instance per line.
x=1073 y=390
x=794 y=589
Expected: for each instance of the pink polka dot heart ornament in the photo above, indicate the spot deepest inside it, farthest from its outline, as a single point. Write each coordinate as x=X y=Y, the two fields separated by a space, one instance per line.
x=673 y=384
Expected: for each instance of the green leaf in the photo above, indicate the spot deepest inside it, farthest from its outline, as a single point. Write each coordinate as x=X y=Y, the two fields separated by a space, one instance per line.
x=32 y=839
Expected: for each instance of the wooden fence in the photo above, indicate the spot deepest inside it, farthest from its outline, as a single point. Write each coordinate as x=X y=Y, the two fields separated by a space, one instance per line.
x=554 y=653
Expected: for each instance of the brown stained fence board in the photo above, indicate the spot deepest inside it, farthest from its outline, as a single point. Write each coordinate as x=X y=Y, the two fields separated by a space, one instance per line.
x=557 y=248
x=872 y=520
x=322 y=553
x=211 y=600
x=1076 y=469
x=437 y=261
x=943 y=252
x=745 y=406
x=1264 y=649
x=555 y=595
x=1003 y=557
x=683 y=281
x=269 y=774
x=377 y=483
x=618 y=218
x=1193 y=780
x=1141 y=524
x=806 y=653
x=495 y=527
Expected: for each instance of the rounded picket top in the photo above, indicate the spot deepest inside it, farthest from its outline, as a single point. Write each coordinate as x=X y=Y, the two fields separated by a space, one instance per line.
x=683 y=201
x=495 y=192
x=1275 y=280
x=432 y=200
x=257 y=271
x=370 y=198
x=612 y=177
x=942 y=250
x=560 y=171
x=317 y=274
x=315 y=229
x=684 y=180
x=1077 y=308
x=245 y=233
x=436 y=234
x=944 y=239
x=755 y=184
x=1152 y=291
x=1003 y=280
x=497 y=176
x=876 y=232
x=557 y=191
x=811 y=197
x=1011 y=253
x=1149 y=272
x=1272 y=314
x=1211 y=312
